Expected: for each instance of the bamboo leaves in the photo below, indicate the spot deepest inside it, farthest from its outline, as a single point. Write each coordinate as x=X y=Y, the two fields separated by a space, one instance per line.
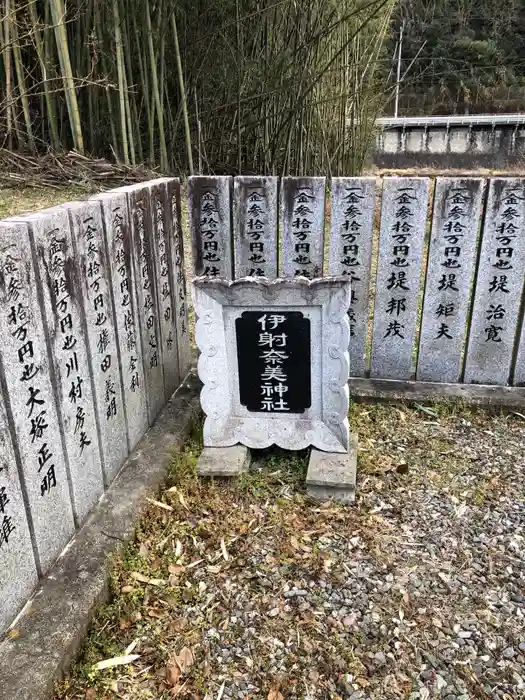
x=255 y=86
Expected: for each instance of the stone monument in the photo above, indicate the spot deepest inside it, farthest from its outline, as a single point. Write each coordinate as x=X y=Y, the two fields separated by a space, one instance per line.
x=274 y=366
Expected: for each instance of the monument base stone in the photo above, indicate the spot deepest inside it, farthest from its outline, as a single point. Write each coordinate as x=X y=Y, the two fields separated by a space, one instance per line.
x=223 y=461
x=332 y=475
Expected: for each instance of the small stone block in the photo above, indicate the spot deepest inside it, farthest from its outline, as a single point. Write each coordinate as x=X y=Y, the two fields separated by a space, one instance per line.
x=223 y=461
x=332 y=475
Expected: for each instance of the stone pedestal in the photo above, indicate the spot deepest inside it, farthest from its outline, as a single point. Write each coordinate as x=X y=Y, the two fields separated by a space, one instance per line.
x=223 y=461
x=332 y=475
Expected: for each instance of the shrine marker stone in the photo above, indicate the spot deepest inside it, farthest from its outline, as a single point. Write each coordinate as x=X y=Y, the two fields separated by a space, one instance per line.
x=30 y=399
x=403 y=223
x=353 y=201
x=210 y=225
x=90 y=248
x=450 y=270
x=18 y=574
x=255 y=226
x=302 y=225
x=117 y=226
x=499 y=285
x=59 y=281
x=161 y=211
x=274 y=362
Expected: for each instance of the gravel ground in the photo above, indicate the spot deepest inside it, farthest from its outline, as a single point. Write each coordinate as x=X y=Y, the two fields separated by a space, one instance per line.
x=250 y=590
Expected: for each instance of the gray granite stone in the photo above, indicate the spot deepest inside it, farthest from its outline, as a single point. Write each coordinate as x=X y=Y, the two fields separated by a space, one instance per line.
x=325 y=302
x=302 y=227
x=345 y=495
x=353 y=204
x=161 y=210
x=333 y=469
x=499 y=285
x=176 y=247
x=223 y=461
x=210 y=225
x=403 y=224
x=519 y=368
x=18 y=571
x=30 y=400
x=140 y=205
x=450 y=271
x=60 y=284
x=117 y=226
x=255 y=226
x=95 y=287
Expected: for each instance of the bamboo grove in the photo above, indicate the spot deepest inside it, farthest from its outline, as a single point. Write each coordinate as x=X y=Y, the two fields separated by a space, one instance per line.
x=241 y=86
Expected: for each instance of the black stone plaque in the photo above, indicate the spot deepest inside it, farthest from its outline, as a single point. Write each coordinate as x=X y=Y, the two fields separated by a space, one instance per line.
x=273 y=352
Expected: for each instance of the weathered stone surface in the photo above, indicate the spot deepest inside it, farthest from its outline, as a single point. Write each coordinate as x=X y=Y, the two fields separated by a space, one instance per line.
x=94 y=268
x=124 y=284
x=302 y=217
x=55 y=625
x=255 y=226
x=223 y=461
x=519 y=369
x=332 y=469
x=18 y=574
x=345 y=496
x=403 y=223
x=141 y=219
x=499 y=285
x=324 y=305
x=210 y=225
x=62 y=304
x=332 y=476
x=30 y=400
x=353 y=203
x=176 y=247
x=161 y=210
x=450 y=270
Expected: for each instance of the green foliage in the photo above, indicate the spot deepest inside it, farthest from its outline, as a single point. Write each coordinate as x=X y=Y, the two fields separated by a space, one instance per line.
x=468 y=55
x=241 y=86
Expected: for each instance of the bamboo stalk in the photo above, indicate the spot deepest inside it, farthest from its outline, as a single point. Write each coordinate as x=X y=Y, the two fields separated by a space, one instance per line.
x=22 y=88
x=58 y=14
x=180 y=78
x=156 y=93
x=6 y=55
x=120 y=74
x=44 y=69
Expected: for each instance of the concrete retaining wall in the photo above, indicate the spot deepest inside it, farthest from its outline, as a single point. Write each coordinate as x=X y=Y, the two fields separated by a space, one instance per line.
x=455 y=146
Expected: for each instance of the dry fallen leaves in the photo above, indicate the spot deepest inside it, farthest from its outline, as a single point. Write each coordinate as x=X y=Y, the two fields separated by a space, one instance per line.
x=173 y=674
x=145 y=579
x=275 y=694
x=160 y=504
x=139 y=577
x=115 y=661
x=175 y=569
x=184 y=659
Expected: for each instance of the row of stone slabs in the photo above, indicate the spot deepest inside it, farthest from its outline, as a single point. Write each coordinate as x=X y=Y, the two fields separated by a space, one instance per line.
x=242 y=240
x=93 y=340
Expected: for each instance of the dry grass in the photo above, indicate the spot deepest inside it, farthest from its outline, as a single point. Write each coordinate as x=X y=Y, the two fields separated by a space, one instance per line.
x=15 y=201
x=205 y=597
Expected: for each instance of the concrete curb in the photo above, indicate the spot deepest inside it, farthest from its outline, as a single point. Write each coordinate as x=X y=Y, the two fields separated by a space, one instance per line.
x=54 y=625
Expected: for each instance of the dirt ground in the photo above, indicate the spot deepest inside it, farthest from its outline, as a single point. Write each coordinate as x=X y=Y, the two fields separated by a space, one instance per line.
x=250 y=590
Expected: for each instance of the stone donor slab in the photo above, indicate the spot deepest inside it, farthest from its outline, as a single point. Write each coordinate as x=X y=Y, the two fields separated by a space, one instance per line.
x=274 y=362
x=223 y=461
x=331 y=475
